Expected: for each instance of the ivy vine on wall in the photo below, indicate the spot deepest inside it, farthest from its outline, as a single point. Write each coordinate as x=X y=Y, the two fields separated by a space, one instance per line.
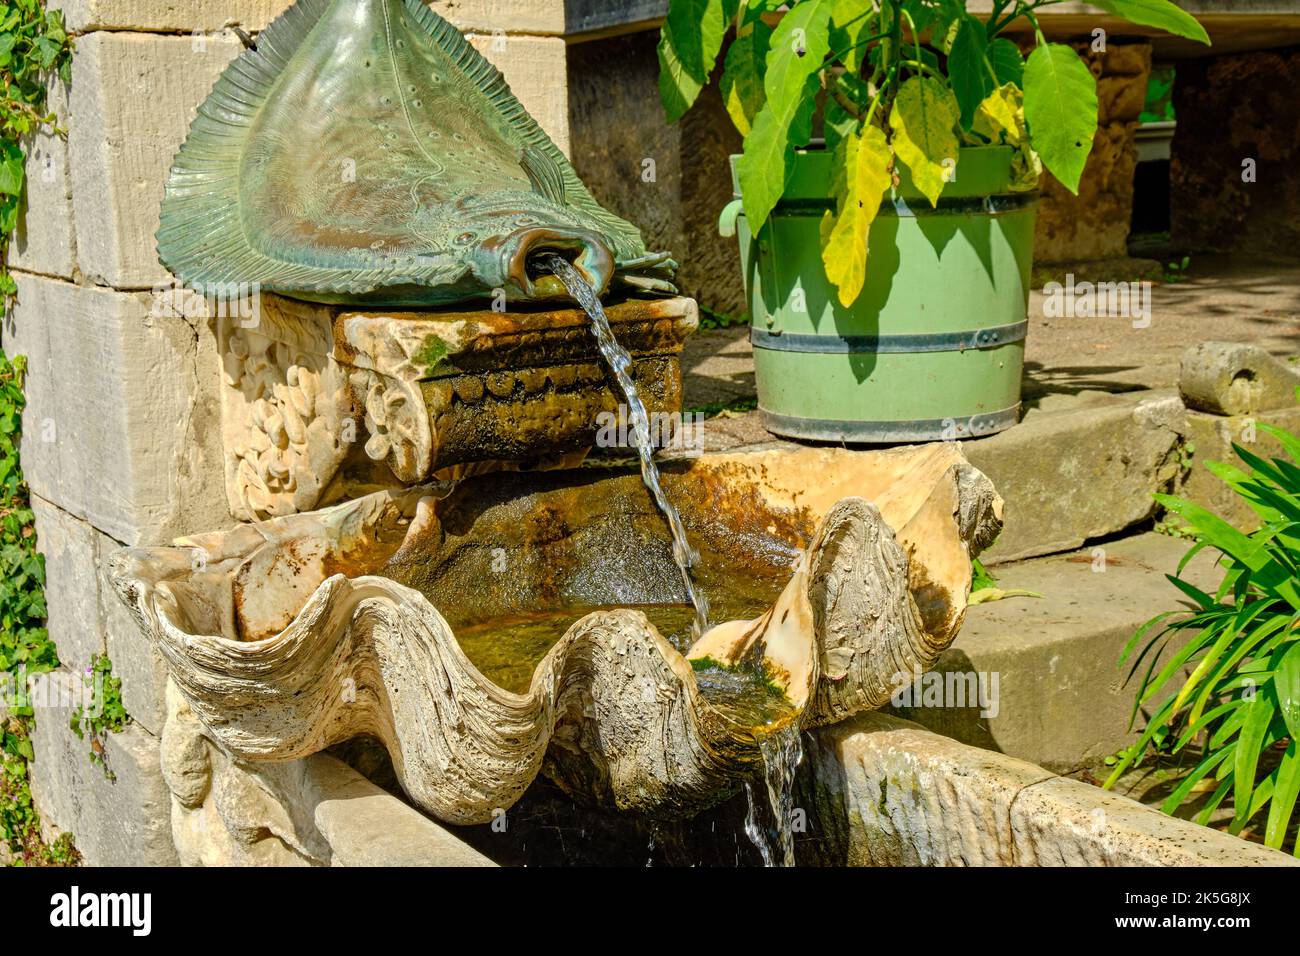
x=34 y=48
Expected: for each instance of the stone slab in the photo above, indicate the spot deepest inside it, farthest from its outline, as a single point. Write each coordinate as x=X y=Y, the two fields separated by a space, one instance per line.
x=1080 y=472
x=367 y=826
x=1061 y=698
x=44 y=240
x=122 y=426
x=889 y=793
x=133 y=98
x=69 y=546
x=185 y=16
x=122 y=822
x=1211 y=438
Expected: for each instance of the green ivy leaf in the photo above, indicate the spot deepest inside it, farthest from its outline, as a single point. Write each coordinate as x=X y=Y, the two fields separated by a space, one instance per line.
x=923 y=119
x=1157 y=13
x=689 y=42
x=1008 y=64
x=742 y=75
x=799 y=47
x=1061 y=110
x=861 y=174
x=967 y=70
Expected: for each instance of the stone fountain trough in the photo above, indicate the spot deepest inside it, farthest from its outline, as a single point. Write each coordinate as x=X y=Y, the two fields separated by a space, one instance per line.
x=298 y=633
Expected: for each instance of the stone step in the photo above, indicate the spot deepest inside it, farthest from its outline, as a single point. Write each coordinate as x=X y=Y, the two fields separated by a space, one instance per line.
x=1054 y=693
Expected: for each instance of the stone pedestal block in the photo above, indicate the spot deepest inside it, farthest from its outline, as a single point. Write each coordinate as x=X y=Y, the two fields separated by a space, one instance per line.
x=122 y=426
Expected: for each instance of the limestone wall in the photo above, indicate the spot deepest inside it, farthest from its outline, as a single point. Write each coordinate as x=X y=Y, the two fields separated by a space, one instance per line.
x=122 y=429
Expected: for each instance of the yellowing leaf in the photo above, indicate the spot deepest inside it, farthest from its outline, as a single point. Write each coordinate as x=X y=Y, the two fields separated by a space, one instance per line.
x=1000 y=118
x=742 y=75
x=861 y=175
x=923 y=120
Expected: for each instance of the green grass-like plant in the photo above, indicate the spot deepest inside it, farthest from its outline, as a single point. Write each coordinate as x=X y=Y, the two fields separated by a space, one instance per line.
x=1242 y=697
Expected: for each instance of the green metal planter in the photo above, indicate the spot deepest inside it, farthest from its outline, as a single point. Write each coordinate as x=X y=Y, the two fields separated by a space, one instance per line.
x=932 y=348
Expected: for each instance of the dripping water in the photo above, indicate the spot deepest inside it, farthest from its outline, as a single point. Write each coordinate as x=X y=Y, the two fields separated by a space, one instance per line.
x=782 y=751
x=621 y=364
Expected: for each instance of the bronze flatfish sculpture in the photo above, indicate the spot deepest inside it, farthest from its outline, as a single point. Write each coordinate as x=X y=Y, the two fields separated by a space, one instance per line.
x=364 y=152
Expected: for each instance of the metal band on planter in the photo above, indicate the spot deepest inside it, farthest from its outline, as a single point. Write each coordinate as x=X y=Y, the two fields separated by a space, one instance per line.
x=916 y=342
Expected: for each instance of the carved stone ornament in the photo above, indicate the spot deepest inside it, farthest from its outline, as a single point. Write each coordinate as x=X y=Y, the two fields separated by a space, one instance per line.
x=314 y=396
x=364 y=152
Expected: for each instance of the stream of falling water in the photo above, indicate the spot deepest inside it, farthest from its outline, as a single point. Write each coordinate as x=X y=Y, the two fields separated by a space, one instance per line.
x=782 y=752
x=621 y=364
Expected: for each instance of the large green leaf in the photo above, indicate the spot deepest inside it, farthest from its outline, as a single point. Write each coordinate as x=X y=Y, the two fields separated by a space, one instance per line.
x=798 y=48
x=923 y=119
x=742 y=75
x=1061 y=110
x=689 y=42
x=861 y=176
x=968 y=70
x=1157 y=13
x=850 y=25
x=1008 y=64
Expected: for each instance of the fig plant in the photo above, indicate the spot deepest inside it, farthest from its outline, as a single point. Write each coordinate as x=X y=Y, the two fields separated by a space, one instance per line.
x=893 y=81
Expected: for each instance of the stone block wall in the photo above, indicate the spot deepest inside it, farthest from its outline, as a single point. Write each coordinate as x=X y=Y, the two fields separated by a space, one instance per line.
x=1094 y=225
x=1233 y=110
x=122 y=429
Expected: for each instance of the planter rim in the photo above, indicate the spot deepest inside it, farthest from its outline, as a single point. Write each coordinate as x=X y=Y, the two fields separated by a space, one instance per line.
x=980 y=171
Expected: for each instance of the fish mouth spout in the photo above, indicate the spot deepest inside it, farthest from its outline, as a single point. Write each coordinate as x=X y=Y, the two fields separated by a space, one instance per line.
x=520 y=260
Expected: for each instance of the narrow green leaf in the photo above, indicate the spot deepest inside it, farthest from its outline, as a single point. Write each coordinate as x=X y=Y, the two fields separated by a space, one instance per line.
x=1061 y=110
x=1258 y=714
x=1285 y=789
x=1286 y=685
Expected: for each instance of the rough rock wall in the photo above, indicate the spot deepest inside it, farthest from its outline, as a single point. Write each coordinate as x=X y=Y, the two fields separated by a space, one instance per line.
x=1095 y=223
x=1232 y=109
x=615 y=114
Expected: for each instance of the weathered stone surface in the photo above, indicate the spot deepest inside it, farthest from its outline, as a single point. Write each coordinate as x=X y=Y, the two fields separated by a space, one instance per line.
x=1211 y=438
x=536 y=69
x=121 y=822
x=133 y=97
x=135 y=661
x=167 y=16
x=122 y=426
x=401 y=396
x=44 y=241
x=671 y=180
x=1236 y=378
x=1095 y=223
x=1082 y=472
x=366 y=826
x=69 y=546
x=889 y=793
x=1053 y=690
x=1235 y=111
